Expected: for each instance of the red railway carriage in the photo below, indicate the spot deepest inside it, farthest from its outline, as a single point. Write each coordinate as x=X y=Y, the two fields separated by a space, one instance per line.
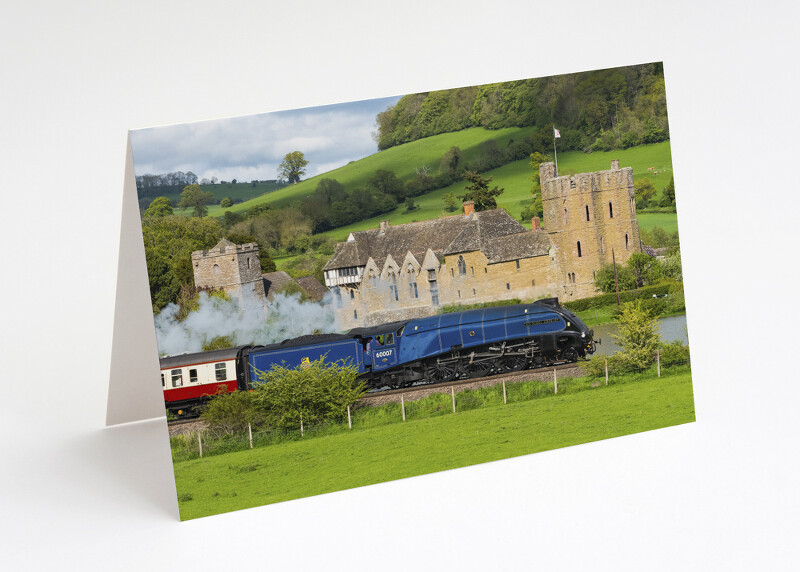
x=189 y=379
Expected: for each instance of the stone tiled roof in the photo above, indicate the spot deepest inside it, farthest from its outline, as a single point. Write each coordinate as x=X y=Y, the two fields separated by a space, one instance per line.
x=515 y=246
x=445 y=236
x=311 y=285
x=275 y=281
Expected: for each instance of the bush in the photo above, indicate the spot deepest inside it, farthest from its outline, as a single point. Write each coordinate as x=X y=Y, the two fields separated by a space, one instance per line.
x=230 y=413
x=312 y=393
x=674 y=353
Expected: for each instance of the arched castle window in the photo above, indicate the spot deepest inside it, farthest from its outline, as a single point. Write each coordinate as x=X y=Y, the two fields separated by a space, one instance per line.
x=216 y=269
x=373 y=280
x=249 y=262
x=602 y=248
x=392 y=285
x=579 y=249
x=587 y=213
x=566 y=218
x=610 y=210
x=337 y=295
x=412 y=282
x=462 y=266
x=626 y=241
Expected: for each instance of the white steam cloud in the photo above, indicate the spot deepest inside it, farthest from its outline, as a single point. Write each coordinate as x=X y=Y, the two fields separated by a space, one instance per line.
x=244 y=321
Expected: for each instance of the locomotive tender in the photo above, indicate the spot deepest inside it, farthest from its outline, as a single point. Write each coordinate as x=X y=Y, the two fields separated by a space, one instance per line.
x=472 y=343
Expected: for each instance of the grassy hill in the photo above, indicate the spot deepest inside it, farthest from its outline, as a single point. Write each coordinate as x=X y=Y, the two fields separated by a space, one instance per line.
x=515 y=178
x=403 y=160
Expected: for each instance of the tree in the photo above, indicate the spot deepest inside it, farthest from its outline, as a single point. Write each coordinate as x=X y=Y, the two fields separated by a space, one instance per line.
x=161 y=206
x=410 y=204
x=292 y=167
x=193 y=196
x=450 y=201
x=645 y=269
x=644 y=191
x=638 y=335
x=668 y=194
x=168 y=245
x=604 y=278
x=386 y=182
x=226 y=202
x=479 y=192
x=452 y=162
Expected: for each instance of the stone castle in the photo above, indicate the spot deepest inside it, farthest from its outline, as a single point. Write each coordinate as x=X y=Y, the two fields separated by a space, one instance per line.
x=236 y=269
x=403 y=271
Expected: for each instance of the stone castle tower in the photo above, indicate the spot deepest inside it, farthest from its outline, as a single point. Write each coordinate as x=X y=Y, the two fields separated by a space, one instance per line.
x=588 y=216
x=234 y=268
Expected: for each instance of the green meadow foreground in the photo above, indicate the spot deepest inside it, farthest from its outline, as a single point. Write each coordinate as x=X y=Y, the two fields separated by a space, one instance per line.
x=360 y=457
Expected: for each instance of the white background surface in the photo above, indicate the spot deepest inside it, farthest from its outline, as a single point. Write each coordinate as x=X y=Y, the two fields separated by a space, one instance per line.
x=719 y=493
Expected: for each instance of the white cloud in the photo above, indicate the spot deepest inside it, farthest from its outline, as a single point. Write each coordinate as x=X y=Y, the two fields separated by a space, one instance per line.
x=252 y=147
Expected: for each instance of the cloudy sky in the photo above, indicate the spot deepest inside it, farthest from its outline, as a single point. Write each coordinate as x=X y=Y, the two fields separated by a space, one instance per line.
x=252 y=147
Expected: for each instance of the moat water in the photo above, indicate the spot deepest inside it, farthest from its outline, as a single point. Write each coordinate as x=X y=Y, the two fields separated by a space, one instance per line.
x=671 y=328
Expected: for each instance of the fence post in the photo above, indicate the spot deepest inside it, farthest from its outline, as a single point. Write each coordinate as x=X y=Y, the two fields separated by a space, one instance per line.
x=606 y=371
x=349 y=421
x=453 y=393
x=250 y=431
x=555 y=381
x=200 y=443
x=658 y=361
x=403 y=407
x=505 y=400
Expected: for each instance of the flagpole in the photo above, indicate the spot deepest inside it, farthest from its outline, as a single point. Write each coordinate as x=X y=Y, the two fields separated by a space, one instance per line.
x=555 y=152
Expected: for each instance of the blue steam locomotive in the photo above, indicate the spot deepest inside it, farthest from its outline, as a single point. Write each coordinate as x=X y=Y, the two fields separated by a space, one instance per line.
x=472 y=343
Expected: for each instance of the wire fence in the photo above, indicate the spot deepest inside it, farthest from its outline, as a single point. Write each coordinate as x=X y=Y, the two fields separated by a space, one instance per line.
x=601 y=371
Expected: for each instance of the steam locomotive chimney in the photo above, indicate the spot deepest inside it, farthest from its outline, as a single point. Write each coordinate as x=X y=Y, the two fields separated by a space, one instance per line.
x=469 y=207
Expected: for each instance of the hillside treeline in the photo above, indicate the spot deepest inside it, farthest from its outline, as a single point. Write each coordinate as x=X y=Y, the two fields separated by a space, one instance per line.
x=165 y=183
x=603 y=110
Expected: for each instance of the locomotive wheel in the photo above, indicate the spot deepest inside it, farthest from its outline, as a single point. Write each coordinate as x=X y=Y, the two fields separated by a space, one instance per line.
x=511 y=363
x=569 y=355
x=478 y=368
x=440 y=371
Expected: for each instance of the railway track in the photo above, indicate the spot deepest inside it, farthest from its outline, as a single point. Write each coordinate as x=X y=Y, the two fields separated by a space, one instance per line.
x=415 y=392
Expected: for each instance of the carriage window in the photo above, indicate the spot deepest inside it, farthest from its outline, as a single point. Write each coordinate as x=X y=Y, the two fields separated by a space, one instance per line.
x=220 y=371
x=379 y=339
x=177 y=377
x=192 y=376
x=389 y=339
x=162 y=380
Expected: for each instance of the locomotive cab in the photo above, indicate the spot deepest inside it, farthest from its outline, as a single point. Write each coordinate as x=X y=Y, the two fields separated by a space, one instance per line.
x=383 y=351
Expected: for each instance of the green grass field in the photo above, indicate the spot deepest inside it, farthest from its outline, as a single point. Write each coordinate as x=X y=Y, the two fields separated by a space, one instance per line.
x=515 y=178
x=356 y=458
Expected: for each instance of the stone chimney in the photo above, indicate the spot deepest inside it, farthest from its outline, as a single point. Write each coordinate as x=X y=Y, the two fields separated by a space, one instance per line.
x=469 y=207
x=536 y=224
x=615 y=165
x=384 y=226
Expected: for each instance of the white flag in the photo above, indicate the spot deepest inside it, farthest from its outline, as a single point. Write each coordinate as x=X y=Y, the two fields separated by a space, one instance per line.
x=556 y=133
